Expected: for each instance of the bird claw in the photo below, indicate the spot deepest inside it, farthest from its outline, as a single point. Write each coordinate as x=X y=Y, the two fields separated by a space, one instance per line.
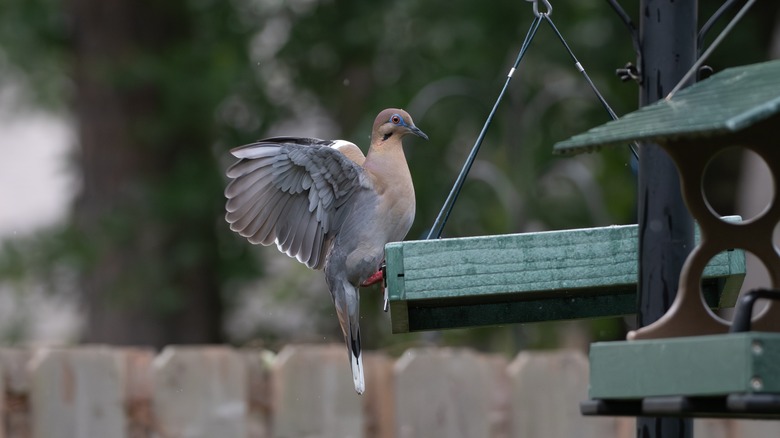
x=373 y=279
x=379 y=276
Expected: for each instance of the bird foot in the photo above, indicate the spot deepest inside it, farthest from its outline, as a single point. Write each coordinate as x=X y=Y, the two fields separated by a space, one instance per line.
x=379 y=276
x=374 y=279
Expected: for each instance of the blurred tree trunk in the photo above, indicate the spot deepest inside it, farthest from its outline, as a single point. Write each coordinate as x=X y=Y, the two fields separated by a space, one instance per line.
x=150 y=276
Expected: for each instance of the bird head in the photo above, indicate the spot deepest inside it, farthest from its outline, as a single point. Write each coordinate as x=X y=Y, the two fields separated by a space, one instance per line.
x=394 y=122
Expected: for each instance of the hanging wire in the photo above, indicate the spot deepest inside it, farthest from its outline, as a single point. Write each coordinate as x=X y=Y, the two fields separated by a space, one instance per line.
x=581 y=69
x=444 y=214
x=711 y=48
x=728 y=4
x=629 y=25
x=446 y=209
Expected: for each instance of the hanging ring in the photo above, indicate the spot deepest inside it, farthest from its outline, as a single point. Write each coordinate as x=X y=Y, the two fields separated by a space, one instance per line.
x=547 y=5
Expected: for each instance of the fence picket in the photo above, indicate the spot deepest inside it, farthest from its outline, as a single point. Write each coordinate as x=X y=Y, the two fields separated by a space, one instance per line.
x=306 y=391
x=258 y=365
x=379 y=399
x=13 y=362
x=3 y=402
x=444 y=393
x=546 y=389
x=77 y=392
x=199 y=392
x=138 y=391
x=755 y=429
x=314 y=395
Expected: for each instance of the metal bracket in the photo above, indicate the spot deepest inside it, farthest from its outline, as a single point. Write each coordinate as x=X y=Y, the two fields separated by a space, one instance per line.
x=547 y=5
x=629 y=72
x=744 y=310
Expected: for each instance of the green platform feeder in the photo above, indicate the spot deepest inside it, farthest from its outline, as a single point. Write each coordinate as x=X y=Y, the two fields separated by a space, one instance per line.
x=691 y=362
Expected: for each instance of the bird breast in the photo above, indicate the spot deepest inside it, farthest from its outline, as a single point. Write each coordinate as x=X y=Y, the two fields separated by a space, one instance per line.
x=395 y=193
x=385 y=215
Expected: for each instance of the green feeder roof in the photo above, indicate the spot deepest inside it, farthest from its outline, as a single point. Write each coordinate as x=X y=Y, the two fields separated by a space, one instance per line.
x=727 y=102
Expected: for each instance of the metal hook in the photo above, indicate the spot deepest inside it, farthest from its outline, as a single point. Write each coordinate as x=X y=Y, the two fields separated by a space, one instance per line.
x=547 y=5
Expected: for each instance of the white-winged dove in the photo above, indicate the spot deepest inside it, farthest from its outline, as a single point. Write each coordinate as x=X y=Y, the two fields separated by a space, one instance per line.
x=324 y=203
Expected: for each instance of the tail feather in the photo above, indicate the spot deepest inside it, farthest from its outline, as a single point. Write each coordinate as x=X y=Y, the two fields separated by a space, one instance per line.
x=356 y=363
x=347 y=301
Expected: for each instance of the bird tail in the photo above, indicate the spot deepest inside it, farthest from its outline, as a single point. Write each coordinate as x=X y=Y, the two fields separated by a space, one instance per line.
x=347 y=301
x=356 y=361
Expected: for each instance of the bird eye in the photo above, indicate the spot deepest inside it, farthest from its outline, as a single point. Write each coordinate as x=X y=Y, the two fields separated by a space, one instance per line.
x=396 y=119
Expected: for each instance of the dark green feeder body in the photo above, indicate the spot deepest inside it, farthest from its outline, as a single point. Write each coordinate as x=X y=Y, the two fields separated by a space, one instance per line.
x=687 y=363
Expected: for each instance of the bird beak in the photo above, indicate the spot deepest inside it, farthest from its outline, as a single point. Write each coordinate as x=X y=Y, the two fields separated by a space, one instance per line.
x=416 y=131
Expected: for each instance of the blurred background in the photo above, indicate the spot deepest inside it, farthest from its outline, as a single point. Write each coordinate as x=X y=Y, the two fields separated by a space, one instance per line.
x=116 y=118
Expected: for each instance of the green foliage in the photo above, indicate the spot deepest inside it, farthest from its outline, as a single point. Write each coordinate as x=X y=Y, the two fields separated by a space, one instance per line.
x=242 y=69
x=33 y=37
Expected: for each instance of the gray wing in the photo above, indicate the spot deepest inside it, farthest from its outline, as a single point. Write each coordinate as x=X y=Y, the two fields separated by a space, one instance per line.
x=294 y=192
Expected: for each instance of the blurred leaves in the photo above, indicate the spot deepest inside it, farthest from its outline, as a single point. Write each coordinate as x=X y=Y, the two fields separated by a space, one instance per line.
x=33 y=39
x=221 y=73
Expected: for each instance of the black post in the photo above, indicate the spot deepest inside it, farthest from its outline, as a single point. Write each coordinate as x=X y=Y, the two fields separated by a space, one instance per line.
x=667 y=34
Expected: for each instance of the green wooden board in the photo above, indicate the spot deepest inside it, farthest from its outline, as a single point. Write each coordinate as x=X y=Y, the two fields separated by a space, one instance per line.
x=690 y=366
x=727 y=102
x=530 y=277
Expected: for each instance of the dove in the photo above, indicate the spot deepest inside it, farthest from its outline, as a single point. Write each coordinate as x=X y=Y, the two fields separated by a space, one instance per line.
x=327 y=205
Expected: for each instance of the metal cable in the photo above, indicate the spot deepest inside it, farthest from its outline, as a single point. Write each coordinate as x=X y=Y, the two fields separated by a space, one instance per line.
x=449 y=203
x=444 y=214
x=711 y=48
x=712 y=20
x=581 y=69
x=629 y=25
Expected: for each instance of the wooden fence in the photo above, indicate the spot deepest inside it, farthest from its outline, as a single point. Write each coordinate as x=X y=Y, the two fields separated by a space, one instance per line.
x=305 y=392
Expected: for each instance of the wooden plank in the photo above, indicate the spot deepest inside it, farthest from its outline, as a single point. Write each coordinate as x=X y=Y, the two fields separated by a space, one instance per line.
x=500 y=400
x=731 y=428
x=77 y=392
x=200 y=392
x=138 y=390
x=445 y=393
x=553 y=275
x=715 y=428
x=730 y=101
x=13 y=362
x=692 y=366
x=396 y=286
x=314 y=395
x=755 y=429
x=546 y=390
x=258 y=365
x=379 y=399
x=3 y=408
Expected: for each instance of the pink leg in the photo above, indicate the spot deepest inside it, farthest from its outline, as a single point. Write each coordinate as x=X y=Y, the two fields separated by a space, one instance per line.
x=375 y=278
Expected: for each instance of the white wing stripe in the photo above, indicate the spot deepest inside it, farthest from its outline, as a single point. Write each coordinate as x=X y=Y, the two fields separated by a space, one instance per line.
x=244 y=167
x=255 y=151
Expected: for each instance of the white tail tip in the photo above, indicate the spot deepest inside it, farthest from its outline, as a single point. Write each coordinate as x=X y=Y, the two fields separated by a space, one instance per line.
x=357 y=373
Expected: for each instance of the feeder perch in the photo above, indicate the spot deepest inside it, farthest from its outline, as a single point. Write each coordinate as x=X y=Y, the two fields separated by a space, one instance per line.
x=531 y=277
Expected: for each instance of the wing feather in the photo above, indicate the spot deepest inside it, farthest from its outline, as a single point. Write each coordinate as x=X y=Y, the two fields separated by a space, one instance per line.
x=284 y=229
x=266 y=218
x=307 y=240
x=292 y=244
x=241 y=185
x=293 y=191
x=240 y=203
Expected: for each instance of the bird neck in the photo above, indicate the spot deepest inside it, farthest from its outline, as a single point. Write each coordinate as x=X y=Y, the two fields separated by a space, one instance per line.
x=386 y=160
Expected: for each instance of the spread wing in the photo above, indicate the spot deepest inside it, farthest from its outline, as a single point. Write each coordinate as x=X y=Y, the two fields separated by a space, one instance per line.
x=294 y=192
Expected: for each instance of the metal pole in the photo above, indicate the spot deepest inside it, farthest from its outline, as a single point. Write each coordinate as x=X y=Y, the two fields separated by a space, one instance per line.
x=667 y=35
